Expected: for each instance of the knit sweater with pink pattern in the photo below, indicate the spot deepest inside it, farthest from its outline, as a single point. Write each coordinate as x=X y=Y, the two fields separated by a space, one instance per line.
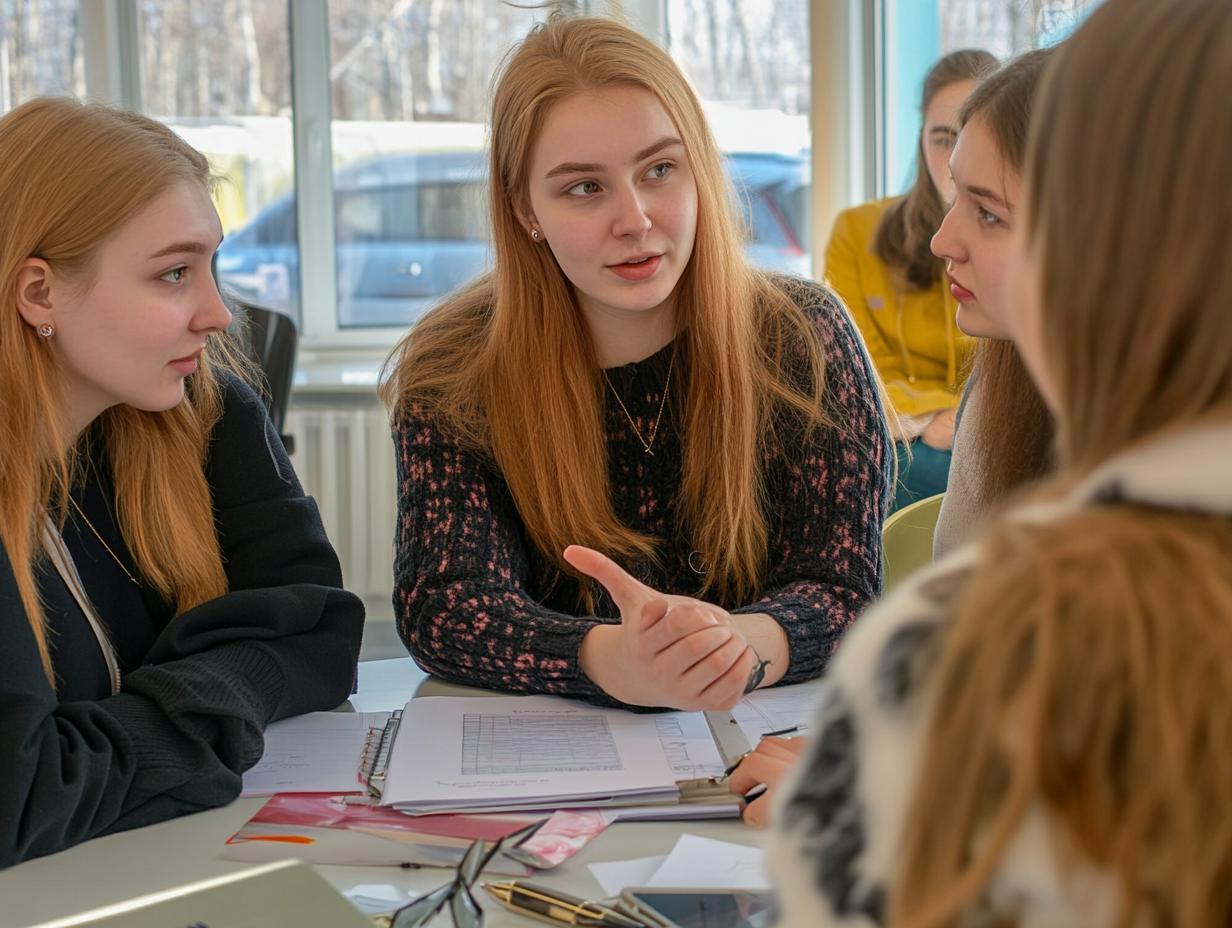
x=477 y=604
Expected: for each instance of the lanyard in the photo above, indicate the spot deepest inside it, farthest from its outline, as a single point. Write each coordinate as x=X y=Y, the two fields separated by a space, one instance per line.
x=57 y=550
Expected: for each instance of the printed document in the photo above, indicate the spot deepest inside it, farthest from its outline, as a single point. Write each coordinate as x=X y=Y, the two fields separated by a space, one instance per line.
x=456 y=753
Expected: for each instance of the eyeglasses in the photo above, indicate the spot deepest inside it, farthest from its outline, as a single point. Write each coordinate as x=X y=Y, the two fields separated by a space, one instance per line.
x=457 y=892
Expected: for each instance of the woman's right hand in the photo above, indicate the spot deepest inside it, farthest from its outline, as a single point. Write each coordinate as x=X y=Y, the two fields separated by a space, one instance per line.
x=766 y=765
x=667 y=650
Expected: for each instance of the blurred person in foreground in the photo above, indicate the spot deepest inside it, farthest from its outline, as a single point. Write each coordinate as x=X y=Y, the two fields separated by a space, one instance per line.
x=1037 y=730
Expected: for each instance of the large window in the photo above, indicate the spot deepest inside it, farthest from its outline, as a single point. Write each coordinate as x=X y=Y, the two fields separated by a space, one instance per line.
x=917 y=32
x=409 y=87
x=350 y=133
x=219 y=74
x=40 y=50
x=750 y=64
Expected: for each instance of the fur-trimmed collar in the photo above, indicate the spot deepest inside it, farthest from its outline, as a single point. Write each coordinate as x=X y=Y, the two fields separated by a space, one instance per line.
x=1188 y=468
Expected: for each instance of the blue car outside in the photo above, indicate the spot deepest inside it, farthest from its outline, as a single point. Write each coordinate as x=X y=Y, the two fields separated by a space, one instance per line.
x=412 y=227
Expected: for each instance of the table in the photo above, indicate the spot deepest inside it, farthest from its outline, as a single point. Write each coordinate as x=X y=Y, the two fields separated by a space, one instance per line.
x=133 y=863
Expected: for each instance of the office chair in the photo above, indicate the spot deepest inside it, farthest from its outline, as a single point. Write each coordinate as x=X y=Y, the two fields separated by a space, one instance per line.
x=270 y=338
x=907 y=539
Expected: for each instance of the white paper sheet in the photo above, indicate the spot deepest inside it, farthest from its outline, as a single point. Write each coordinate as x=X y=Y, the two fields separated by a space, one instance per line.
x=703 y=863
x=615 y=875
x=318 y=752
x=456 y=752
x=777 y=708
x=377 y=898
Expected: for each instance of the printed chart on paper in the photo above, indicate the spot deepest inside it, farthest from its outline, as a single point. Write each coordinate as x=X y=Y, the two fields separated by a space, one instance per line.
x=536 y=743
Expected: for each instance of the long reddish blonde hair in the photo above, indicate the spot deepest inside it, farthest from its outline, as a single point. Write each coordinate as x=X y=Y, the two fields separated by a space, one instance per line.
x=70 y=176
x=1086 y=668
x=508 y=368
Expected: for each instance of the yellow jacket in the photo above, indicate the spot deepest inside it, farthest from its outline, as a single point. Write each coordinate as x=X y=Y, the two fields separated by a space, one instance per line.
x=911 y=335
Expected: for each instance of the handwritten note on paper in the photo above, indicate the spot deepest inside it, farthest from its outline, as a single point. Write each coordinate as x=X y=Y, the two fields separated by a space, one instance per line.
x=318 y=752
x=703 y=863
x=777 y=708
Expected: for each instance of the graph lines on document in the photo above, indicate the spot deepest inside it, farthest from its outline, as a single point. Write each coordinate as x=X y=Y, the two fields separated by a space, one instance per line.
x=536 y=743
x=675 y=747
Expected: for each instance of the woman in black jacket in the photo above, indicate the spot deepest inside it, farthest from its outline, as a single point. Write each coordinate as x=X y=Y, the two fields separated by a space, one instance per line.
x=166 y=588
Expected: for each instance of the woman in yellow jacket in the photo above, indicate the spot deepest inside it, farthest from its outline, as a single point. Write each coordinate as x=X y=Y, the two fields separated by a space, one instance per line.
x=879 y=262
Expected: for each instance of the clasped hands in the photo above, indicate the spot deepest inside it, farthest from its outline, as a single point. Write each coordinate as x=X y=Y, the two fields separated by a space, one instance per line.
x=668 y=650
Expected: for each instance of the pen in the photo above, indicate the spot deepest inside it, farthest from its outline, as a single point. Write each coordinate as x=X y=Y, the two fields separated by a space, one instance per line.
x=554 y=906
x=782 y=731
x=770 y=734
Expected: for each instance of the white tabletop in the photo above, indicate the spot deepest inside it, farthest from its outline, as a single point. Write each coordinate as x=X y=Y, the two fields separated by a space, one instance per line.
x=121 y=866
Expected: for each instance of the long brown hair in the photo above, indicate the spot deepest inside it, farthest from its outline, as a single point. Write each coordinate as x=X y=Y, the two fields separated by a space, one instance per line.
x=510 y=356
x=70 y=176
x=907 y=226
x=1012 y=437
x=1084 y=671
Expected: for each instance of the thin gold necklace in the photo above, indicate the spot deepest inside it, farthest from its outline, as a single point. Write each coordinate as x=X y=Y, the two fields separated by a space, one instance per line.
x=647 y=444
x=106 y=546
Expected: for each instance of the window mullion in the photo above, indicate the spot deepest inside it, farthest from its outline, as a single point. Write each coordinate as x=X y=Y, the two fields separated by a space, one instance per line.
x=314 y=182
x=648 y=16
x=840 y=121
x=111 y=52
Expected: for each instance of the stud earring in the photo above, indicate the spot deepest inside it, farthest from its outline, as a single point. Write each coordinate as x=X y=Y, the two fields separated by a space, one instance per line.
x=46 y=330
x=535 y=235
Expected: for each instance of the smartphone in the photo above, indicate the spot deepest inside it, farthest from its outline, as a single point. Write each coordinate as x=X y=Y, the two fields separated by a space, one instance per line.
x=699 y=908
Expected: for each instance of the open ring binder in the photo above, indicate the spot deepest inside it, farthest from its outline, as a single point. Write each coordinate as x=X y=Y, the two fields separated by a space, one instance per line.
x=529 y=753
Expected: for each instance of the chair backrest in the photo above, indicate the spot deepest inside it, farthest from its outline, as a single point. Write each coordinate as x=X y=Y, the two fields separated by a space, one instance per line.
x=270 y=338
x=907 y=539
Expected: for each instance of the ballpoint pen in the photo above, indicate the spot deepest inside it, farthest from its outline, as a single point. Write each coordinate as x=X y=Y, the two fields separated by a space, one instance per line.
x=770 y=734
x=556 y=907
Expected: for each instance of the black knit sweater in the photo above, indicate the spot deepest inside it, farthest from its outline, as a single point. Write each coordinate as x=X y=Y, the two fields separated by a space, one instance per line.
x=198 y=688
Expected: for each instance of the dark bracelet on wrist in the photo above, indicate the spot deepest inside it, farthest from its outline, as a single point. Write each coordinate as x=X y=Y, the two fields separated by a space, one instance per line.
x=757 y=674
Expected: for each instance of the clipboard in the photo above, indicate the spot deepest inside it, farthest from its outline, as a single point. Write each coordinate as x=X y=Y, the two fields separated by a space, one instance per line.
x=705 y=791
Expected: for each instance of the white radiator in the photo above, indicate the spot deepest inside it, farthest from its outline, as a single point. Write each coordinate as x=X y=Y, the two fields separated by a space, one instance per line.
x=344 y=457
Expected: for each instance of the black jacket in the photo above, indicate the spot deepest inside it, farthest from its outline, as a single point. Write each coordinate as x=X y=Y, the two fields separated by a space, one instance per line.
x=198 y=689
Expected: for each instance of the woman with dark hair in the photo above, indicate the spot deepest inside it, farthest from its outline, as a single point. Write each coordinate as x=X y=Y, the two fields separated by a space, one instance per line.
x=1004 y=436
x=879 y=262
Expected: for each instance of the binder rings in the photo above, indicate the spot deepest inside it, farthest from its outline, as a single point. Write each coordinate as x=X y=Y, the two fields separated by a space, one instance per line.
x=374 y=763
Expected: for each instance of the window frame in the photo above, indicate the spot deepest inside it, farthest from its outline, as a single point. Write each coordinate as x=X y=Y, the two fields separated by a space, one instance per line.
x=846 y=123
